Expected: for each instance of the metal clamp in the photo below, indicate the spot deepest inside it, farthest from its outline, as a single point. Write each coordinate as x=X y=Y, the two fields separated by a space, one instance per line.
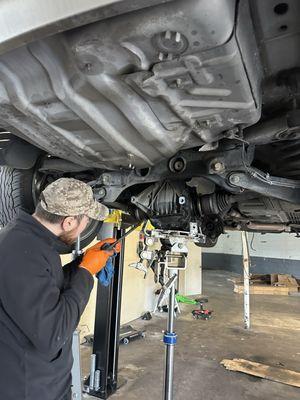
x=170 y=338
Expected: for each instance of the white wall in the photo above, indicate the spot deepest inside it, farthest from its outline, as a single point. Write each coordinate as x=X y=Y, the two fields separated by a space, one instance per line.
x=269 y=245
x=190 y=280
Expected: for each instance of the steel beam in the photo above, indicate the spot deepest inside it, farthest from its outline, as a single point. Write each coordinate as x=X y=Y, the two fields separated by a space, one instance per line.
x=246 y=267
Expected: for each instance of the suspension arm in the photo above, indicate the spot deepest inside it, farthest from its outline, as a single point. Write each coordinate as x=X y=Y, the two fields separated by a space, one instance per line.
x=270 y=186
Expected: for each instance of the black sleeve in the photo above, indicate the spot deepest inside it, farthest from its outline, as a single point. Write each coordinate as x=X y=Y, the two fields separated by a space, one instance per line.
x=70 y=269
x=30 y=296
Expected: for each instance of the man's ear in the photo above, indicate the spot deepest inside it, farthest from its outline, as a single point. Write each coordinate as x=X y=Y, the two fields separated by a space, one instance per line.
x=69 y=223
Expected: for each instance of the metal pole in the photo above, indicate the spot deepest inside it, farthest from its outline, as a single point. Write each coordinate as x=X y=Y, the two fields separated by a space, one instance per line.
x=246 y=267
x=92 y=371
x=77 y=251
x=76 y=367
x=117 y=297
x=170 y=339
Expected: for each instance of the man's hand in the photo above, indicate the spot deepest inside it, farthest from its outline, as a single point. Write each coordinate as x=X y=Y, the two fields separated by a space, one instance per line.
x=94 y=259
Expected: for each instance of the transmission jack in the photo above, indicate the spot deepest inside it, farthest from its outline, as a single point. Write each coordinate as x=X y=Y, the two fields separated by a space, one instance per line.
x=166 y=262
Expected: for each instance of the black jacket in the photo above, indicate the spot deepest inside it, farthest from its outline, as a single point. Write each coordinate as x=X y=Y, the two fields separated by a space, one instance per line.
x=40 y=307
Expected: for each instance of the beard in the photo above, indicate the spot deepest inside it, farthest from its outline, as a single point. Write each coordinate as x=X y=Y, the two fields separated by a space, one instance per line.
x=68 y=237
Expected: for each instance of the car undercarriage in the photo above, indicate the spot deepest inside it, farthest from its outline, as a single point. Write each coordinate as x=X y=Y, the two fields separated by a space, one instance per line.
x=178 y=111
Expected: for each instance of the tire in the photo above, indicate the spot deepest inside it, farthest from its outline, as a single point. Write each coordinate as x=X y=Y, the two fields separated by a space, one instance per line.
x=15 y=193
x=18 y=191
x=87 y=236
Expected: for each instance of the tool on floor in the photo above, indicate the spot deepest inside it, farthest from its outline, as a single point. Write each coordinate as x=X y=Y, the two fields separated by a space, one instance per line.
x=186 y=300
x=147 y=316
x=128 y=333
x=201 y=312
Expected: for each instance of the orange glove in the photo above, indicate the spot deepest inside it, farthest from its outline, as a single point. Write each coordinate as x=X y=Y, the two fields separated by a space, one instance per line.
x=94 y=259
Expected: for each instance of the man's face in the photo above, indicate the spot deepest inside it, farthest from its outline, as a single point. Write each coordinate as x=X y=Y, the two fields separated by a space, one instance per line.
x=72 y=228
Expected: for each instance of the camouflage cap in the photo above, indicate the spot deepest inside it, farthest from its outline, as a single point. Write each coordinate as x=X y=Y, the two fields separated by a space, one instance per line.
x=71 y=197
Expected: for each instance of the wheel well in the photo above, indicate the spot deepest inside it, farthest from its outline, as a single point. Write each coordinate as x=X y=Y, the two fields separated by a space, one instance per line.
x=16 y=152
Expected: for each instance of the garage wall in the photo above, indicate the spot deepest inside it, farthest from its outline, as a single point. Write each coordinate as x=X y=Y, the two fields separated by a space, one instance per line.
x=270 y=253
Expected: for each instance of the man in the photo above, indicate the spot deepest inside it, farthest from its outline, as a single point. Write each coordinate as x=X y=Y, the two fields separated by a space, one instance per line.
x=41 y=302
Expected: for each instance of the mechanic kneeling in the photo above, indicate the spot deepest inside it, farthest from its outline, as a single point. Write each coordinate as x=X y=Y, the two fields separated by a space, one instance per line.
x=41 y=302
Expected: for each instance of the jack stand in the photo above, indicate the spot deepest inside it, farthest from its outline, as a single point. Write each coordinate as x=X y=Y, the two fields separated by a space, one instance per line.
x=164 y=295
x=170 y=340
x=171 y=258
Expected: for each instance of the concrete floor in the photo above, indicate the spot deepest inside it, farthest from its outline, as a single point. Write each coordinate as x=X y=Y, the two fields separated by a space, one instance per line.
x=274 y=339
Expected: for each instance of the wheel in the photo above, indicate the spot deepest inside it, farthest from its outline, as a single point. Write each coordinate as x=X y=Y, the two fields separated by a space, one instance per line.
x=125 y=341
x=15 y=193
x=20 y=189
x=87 y=236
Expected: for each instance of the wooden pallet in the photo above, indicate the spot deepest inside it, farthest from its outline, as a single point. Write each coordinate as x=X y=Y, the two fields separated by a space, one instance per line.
x=269 y=284
x=282 y=375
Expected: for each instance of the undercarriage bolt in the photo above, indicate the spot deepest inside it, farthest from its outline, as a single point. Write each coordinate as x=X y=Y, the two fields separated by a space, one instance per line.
x=181 y=200
x=161 y=56
x=177 y=164
x=105 y=179
x=88 y=66
x=149 y=241
x=168 y=35
x=218 y=166
x=101 y=192
x=234 y=179
x=178 y=82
